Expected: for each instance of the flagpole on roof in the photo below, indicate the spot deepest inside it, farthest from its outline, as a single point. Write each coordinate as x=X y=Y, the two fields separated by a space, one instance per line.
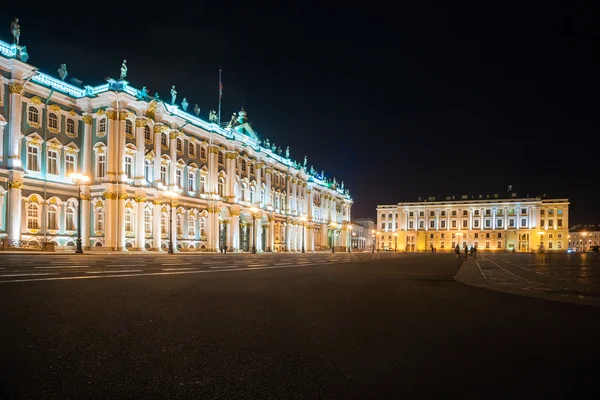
x=220 y=95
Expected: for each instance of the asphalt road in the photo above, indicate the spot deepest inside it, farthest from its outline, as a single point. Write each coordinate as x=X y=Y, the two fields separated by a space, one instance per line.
x=343 y=326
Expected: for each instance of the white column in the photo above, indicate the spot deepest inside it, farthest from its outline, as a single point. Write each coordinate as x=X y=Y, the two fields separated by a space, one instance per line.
x=158 y=129
x=14 y=132
x=258 y=173
x=2 y=125
x=140 y=144
x=86 y=217
x=86 y=154
x=213 y=170
x=258 y=232
x=156 y=228
x=288 y=227
x=228 y=237
x=14 y=213
x=173 y=216
x=230 y=164
x=288 y=194
x=121 y=227
x=173 y=166
x=268 y=175
x=140 y=234
x=271 y=234
x=234 y=228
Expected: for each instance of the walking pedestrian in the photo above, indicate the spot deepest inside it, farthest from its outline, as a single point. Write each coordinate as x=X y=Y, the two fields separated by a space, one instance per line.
x=225 y=249
x=474 y=251
x=466 y=252
x=457 y=251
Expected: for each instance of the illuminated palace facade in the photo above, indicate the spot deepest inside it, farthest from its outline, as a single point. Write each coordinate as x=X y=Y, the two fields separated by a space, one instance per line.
x=522 y=224
x=232 y=188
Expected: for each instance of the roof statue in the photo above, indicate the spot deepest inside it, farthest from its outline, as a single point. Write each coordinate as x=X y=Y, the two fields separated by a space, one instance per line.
x=212 y=116
x=287 y=152
x=305 y=161
x=322 y=174
x=273 y=147
x=184 y=104
x=242 y=116
x=15 y=29
x=312 y=170
x=196 y=110
x=23 y=55
x=231 y=123
x=173 y=95
x=62 y=71
x=123 y=70
x=279 y=150
x=267 y=144
x=342 y=185
x=143 y=94
x=156 y=97
x=334 y=181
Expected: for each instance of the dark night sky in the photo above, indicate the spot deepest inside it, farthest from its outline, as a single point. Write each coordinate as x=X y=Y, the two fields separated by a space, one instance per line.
x=398 y=100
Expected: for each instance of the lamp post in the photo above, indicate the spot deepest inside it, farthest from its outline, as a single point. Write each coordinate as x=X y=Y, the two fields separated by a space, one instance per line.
x=373 y=234
x=253 y=210
x=350 y=238
x=172 y=196
x=333 y=226
x=79 y=180
x=303 y=219
x=395 y=242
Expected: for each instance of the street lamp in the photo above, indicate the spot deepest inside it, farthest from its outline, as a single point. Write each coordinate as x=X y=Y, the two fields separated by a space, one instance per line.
x=373 y=234
x=172 y=195
x=350 y=237
x=79 y=180
x=303 y=219
x=333 y=226
x=253 y=210
x=395 y=242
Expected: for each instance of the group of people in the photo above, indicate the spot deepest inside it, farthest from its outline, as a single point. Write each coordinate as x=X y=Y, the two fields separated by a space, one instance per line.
x=468 y=251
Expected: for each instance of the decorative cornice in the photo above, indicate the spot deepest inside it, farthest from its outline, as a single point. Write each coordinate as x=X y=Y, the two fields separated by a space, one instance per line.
x=15 y=185
x=175 y=134
x=112 y=115
x=259 y=165
x=36 y=100
x=54 y=107
x=269 y=170
x=87 y=119
x=101 y=112
x=141 y=122
x=109 y=195
x=214 y=150
x=72 y=113
x=15 y=88
x=123 y=115
x=85 y=197
x=123 y=196
x=232 y=155
x=156 y=201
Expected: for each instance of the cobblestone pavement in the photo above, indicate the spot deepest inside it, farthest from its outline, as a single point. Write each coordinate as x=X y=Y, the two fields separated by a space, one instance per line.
x=575 y=275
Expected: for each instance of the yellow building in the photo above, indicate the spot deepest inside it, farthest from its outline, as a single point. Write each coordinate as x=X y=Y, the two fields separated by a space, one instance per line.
x=489 y=224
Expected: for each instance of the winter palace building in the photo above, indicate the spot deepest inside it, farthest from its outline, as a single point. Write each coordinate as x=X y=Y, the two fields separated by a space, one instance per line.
x=492 y=224
x=232 y=188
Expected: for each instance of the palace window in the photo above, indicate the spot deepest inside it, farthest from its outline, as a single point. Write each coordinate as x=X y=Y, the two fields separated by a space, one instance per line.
x=476 y=212
x=179 y=178
x=33 y=216
x=100 y=165
x=488 y=212
x=421 y=213
x=443 y=224
x=221 y=187
x=70 y=218
x=488 y=223
x=453 y=223
x=252 y=192
x=33 y=157
x=476 y=223
x=431 y=224
x=179 y=224
x=147 y=134
x=128 y=220
x=202 y=152
x=191 y=181
x=129 y=127
x=163 y=140
x=201 y=227
x=163 y=174
x=243 y=165
x=192 y=226
x=52 y=162
x=523 y=211
x=70 y=127
x=102 y=127
x=164 y=223
x=100 y=220
x=262 y=196
x=465 y=213
x=147 y=221
x=499 y=235
x=251 y=168
x=245 y=192
x=559 y=223
x=499 y=244
x=411 y=224
x=499 y=223
x=52 y=222
x=179 y=144
x=443 y=213
x=148 y=170
x=523 y=222
x=431 y=214
x=559 y=211
x=129 y=166
x=69 y=164
x=511 y=223
x=550 y=224
x=220 y=158
x=421 y=224
x=33 y=115
x=454 y=213
x=52 y=121
x=465 y=224
x=202 y=187
x=411 y=214
x=191 y=149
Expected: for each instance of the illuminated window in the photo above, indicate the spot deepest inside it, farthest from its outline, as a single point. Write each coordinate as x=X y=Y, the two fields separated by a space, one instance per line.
x=191 y=149
x=192 y=226
x=147 y=221
x=33 y=157
x=164 y=223
x=102 y=126
x=69 y=164
x=33 y=115
x=33 y=216
x=202 y=187
x=53 y=121
x=100 y=165
x=129 y=127
x=52 y=162
x=202 y=152
x=100 y=219
x=221 y=158
x=70 y=127
x=128 y=220
x=147 y=134
x=70 y=218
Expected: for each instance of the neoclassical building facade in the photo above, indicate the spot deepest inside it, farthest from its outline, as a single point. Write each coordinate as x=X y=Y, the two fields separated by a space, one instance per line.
x=490 y=224
x=232 y=188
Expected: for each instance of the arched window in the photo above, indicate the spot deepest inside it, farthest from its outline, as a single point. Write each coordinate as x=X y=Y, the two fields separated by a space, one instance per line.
x=163 y=174
x=221 y=157
x=53 y=121
x=52 y=222
x=251 y=168
x=129 y=127
x=192 y=226
x=163 y=140
x=70 y=127
x=203 y=152
x=252 y=194
x=147 y=134
x=148 y=170
x=100 y=220
x=70 y=218
x=147 y=221
x=221 y=187
x=191 y=149
x=201 y=228
x=33 y=115
x=164 y=223
x=100 y=165
x=33 y=216
x=179 y=224
x=128 y=220
x=102 y=125
x=244 y=165
x=129 y=166
x=179 y=145
x=277 y=202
